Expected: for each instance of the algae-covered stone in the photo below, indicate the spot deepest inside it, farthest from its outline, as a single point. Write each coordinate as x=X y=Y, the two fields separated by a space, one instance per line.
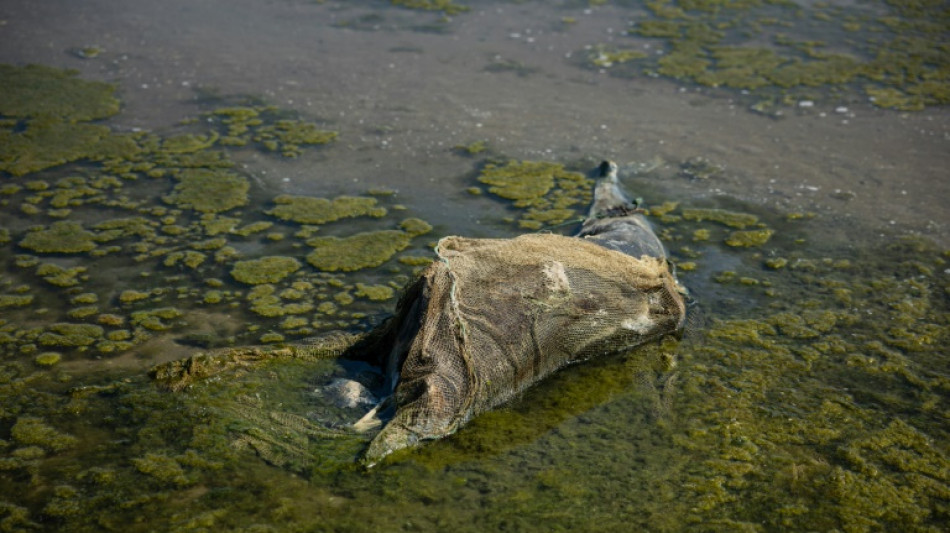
x=362 y=250
x=36 y=90
x=311 y=210
x=265 y=269
x=64 y=237
x=209 y=190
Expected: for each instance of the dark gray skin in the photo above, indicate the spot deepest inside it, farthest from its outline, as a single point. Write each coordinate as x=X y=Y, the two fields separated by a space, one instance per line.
x=615 y=222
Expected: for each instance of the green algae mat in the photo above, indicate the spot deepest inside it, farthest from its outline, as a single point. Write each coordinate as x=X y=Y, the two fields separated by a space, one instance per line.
x=774 y=53
x=810 y=393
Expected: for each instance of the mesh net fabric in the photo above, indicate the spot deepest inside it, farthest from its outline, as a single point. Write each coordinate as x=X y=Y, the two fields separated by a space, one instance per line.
x=491 y=317
x=484 y=322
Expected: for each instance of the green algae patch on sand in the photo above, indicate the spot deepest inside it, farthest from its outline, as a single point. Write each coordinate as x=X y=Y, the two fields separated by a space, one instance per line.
x=264 y=270
x=209 y=190
x=63 y=237
x=312 y=210
x=37 y=90
x=356 y=252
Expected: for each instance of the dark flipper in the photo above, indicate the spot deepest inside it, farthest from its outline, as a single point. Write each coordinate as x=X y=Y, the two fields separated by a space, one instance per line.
x=617 y=223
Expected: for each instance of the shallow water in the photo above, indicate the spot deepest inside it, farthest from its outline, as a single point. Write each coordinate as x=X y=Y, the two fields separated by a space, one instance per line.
x=765 y=422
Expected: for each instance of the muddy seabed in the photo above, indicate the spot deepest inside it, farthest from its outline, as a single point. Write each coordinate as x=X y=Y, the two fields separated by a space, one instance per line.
x=812 y=397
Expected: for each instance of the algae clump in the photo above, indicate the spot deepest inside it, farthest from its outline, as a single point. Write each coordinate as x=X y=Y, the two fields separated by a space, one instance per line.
x=264 y=270
x=311 y=210
x=376 y=293
x=551 y=193
x=162 y=468
x=446 y=6
x=362 y=250
x=722 y=216
x=33 y=431
x=209 y=190
x=415 y=226
x=47 y=358
x=47 y=142
x=64 y=237
x=70 y=335
x=520 y=181
x=749 y=238
x=37 y=90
